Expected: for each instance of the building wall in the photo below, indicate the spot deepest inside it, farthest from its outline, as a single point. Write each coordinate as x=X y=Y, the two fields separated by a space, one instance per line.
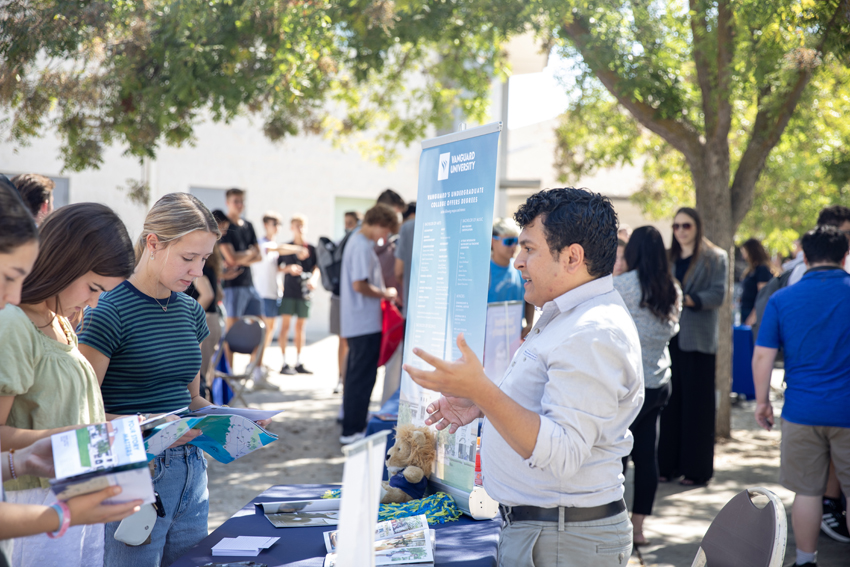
x=304 y=174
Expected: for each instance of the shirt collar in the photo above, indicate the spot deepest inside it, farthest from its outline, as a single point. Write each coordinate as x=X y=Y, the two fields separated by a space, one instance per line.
x=583 y=293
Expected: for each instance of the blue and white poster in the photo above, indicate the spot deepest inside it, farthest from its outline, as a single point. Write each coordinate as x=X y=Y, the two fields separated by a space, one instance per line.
x=449 y=276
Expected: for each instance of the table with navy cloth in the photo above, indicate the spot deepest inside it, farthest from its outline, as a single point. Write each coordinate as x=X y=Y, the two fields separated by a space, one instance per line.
x=743 y=344
x=463 y=543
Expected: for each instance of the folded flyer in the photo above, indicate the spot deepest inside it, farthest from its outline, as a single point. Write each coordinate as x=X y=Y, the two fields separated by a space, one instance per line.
x=301 y=513
x=224 y=437
x=101 y=455
x=402 y=541
x=242 y=546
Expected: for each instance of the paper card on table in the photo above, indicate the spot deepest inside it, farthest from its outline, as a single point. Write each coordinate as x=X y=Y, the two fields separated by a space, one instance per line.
x=303 y=519
x=384 y=530
x=318 y=505
x=301 y=513
x=242 y=546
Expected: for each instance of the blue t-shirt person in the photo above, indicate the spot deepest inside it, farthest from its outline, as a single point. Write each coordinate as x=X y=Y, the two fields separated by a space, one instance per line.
x=811 y=321
x=506 y=283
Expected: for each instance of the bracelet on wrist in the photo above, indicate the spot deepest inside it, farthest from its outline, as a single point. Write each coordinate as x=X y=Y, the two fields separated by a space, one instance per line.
x=64 y=514
x=12 y=464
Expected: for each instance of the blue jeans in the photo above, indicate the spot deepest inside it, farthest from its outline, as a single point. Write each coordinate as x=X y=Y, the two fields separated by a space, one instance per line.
x=243 y=300
x=180 y=478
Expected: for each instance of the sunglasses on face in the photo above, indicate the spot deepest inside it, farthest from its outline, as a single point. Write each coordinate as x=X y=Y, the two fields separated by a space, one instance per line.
x=683 y=226
x=507 y=240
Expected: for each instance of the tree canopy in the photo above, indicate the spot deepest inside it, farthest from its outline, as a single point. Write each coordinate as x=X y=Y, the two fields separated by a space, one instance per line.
x=759 y=88
x=143 y=74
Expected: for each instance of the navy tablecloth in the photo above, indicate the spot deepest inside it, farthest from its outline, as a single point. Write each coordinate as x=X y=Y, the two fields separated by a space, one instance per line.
x=743 y=345
x=464 y=543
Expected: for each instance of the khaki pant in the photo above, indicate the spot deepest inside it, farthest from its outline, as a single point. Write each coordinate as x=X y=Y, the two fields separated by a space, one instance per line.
x=598 y=543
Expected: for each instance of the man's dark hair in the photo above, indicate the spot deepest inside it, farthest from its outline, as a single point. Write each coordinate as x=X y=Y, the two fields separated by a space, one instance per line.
x=575 y=216
x=836 y=215
x=353 y=214
x=383 y=216
x=235 y=192
x=391 y=198
x=824 y=243
x=35 y=190
x=220 y=216
x=410 y=210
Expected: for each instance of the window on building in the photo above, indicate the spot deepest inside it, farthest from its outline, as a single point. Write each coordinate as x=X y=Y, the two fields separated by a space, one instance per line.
x=212 y=198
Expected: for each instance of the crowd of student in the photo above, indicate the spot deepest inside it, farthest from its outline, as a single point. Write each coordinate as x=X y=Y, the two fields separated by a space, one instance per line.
x=89 y=317
x=92 y=328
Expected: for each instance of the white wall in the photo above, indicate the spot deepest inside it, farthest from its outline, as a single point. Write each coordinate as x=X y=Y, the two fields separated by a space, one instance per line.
x=303 y=174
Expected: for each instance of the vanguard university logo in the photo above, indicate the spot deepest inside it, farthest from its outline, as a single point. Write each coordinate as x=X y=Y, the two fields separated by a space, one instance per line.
x=443 y=171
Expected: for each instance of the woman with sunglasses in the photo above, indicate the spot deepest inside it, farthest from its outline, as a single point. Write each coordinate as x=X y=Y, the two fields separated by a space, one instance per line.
x=686 y=441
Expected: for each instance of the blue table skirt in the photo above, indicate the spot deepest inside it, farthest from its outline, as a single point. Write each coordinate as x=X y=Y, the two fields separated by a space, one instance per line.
x=742 y=361
x=464 y=543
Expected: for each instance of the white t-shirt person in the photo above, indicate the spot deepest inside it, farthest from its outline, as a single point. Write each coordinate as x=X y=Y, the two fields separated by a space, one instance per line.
x=265 y=271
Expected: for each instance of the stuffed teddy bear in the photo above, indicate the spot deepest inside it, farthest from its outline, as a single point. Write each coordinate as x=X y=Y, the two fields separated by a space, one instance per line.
x=409 y=464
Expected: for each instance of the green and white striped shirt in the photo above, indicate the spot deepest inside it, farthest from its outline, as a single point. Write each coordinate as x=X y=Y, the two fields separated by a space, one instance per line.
x=154 y=354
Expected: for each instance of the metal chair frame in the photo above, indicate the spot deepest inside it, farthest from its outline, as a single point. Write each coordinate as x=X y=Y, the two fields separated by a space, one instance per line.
x=237 y=381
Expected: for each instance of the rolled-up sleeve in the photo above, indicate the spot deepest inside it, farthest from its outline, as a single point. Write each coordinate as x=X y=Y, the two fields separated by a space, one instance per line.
x=581 y=401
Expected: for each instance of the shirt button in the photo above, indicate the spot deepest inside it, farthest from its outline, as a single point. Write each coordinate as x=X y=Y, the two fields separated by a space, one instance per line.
x=536 y=331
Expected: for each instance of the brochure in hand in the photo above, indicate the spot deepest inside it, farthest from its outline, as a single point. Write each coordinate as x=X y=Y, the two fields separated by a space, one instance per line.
x=97 y=456
x=225 y=436
x=402 y=541
x=301 y=513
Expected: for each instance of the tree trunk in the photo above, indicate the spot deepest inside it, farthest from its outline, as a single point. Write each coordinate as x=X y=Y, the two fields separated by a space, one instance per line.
x=711 y=177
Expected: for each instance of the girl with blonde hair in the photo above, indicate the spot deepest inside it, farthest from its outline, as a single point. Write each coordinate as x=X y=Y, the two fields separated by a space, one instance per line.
x=143 y=341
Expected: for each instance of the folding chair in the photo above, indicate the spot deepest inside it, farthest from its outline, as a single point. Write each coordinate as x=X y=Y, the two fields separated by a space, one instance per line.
x=742 y=535
x=246 y=336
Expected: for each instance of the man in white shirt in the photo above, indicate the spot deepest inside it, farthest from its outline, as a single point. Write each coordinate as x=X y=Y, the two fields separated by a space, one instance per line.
x=556 y=424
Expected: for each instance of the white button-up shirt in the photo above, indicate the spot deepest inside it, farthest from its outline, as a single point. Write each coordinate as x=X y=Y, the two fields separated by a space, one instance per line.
x=580 y=370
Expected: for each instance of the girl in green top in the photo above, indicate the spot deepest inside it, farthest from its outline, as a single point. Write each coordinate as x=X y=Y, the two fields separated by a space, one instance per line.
x=46 y=385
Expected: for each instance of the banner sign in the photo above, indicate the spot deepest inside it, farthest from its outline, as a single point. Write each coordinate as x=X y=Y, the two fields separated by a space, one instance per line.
x=503 y=336
x=449 y=276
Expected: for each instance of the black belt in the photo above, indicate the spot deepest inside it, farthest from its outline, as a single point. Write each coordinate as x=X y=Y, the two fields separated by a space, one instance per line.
x=571 y=514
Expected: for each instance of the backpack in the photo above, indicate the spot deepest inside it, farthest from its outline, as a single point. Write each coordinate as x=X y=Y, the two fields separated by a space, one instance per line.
x=329 y=260
x=775 y=284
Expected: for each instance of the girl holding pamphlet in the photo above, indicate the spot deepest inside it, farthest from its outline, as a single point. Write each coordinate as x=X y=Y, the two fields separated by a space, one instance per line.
x=143 y=341
x=46 y=386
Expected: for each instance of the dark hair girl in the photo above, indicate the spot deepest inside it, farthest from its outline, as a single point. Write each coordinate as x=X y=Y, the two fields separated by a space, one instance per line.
x=76 y=240
x=655 y=302
x=645 y=253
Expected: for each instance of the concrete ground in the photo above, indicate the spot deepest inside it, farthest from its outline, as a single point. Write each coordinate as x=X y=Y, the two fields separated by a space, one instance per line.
x=308 y=451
